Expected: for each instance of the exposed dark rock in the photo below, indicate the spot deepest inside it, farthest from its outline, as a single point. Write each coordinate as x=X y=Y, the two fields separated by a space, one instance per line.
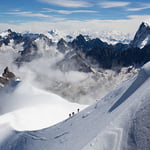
x=94 y=51
x=143 y=34
x=62 y=45
x=6 y=77
x=7 y=74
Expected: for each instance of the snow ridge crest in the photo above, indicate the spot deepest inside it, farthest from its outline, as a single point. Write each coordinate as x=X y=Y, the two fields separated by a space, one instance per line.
x=147 y=22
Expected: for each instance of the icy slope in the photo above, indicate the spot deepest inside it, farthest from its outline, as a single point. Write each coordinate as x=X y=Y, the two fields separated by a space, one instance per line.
x=117 y=122
x=30 y=108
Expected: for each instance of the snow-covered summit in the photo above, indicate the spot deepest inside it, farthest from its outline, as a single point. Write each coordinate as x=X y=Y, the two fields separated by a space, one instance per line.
x=111 y=37
x=142 y=36
x=4 y=34
x=147 y=22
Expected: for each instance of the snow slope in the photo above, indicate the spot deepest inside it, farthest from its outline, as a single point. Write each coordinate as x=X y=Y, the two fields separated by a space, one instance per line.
x=30 y=108
x=117 y=122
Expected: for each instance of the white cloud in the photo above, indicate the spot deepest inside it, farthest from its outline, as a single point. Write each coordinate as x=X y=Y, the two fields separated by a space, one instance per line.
x=27 y=14
x=68 y=11
x=110 y=4
x=31 y=14
x=137 y=9
x=16 y=10
x=67 y=3
x=139 y=17
x=129 y=25
x=142 y=7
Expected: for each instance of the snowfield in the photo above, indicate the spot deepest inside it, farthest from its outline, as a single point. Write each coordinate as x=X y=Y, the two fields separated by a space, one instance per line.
x=30 y=108
x=119 y=121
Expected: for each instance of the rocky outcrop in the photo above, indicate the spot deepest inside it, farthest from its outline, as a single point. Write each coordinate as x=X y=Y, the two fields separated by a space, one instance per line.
x=62 y=46
x=142 y=36
x=6 y=77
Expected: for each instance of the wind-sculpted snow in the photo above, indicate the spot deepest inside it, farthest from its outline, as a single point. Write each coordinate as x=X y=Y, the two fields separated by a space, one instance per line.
x=141 y=78
x=97 y=128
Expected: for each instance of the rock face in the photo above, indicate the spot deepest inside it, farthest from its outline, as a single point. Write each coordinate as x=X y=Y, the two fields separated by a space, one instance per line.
x=6 y=77
x=62 y=45
x=8 y=74
x=108 y=56
x=142 y=36
x=74 y=61
x=31 y=43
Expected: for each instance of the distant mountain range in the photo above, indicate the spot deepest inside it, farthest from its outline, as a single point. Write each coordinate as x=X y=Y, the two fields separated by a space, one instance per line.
x=82 y=51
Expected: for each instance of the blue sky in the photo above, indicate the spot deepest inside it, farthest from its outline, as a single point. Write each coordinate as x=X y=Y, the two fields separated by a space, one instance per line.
x=15 y=12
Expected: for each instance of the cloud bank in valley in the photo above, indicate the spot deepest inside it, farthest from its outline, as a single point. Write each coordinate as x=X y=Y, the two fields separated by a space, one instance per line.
x=29 y=107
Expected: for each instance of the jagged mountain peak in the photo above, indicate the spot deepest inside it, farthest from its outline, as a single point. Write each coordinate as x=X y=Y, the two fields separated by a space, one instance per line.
x=80 y=37
x=5 y=33
x=144 y=25
x=147 y=22
x=53 y=32
x=142 y=36
x=9 y=31
x=9 y=34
